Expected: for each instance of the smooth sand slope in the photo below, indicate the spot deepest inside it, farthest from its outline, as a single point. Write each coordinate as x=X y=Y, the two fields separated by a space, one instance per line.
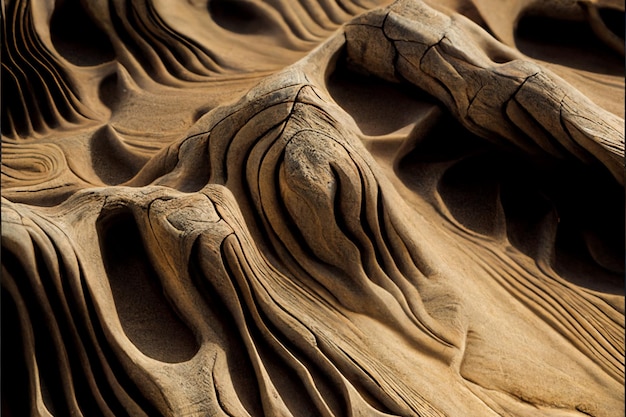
x=312 y=208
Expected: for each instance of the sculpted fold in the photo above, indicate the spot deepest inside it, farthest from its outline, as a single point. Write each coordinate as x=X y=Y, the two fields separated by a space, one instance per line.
x=266 y=254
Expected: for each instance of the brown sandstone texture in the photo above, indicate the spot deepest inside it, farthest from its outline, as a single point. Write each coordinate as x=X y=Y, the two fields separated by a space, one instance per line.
x=312 y=208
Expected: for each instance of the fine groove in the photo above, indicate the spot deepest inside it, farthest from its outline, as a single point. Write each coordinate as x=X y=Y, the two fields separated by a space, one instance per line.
x=311 y=207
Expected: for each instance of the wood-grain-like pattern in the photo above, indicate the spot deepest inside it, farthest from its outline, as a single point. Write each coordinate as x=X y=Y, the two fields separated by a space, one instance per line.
x=311 y=208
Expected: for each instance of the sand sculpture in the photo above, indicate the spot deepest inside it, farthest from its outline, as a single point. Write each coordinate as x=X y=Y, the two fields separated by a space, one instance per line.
x=312 y=208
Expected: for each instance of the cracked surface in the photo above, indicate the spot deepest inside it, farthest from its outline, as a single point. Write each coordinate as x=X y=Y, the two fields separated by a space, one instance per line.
x=275 y=208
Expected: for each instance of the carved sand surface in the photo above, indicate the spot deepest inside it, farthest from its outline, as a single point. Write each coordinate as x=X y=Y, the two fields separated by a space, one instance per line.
x=312 y=208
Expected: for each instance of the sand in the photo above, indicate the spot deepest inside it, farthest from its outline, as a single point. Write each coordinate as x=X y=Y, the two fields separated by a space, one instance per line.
x=301 y=208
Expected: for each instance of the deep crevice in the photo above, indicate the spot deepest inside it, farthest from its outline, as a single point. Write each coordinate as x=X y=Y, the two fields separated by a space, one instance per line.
x=146 y=315
x=284 y=376
x=46 y=352
x=223 y=324
x=372 y=102
x=586 y=201
x=110 y=360
x=77 y=37
x=241 y=16
x=16 y=399
x=569 y=43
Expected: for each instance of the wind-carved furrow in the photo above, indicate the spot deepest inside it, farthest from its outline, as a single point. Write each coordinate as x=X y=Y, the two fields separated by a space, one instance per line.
x=286 y=254
x=13 y=359
x=262 y=316
x=558 y=305
x=39 y=93
x=48 y=379
x=83 y=387
x=253 y=331
x=251 y=173
x=161 y=52
x=154 y=43
x=388 y=253
x=60 y=298
x=232 y=343
x=94 y=396
x=342 y=215
x=173 y=50
x=400 y=399
x=364 y=231
x=227 y=129
x=145 y=35
x=551 y=312
x=271 y=312
x=47 y=383
x=258 y=126
x=255 y=276
x=191 y=55
x=151 y=324
x=369 y=216
x=289 y=236
x=126 y=392
x=303 y=25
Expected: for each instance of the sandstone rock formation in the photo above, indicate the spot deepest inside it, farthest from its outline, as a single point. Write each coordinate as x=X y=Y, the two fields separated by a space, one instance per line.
x=312 y=208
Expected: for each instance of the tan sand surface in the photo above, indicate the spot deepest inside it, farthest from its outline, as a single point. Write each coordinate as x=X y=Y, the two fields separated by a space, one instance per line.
x=312 y=208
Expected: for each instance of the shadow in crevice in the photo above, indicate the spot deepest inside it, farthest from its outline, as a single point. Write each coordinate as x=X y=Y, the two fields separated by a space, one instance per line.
x=147 y=317
x=15 y=373
x=112 y=160
x=536 y=201
x=228 y=334
x=77 y=37
x=569 y=43
x=241 y=16
x=108 y=91
x=614 y=20
x=378 y=107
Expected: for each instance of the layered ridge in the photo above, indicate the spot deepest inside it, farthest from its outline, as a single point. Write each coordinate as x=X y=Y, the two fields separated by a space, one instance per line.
x=223 y=235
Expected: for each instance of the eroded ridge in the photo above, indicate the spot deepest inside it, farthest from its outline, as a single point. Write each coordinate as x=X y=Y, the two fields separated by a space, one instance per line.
x=268 y=261
x=488 y=86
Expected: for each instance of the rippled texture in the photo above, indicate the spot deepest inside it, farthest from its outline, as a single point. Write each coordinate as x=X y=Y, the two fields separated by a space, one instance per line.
x=324 y=208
